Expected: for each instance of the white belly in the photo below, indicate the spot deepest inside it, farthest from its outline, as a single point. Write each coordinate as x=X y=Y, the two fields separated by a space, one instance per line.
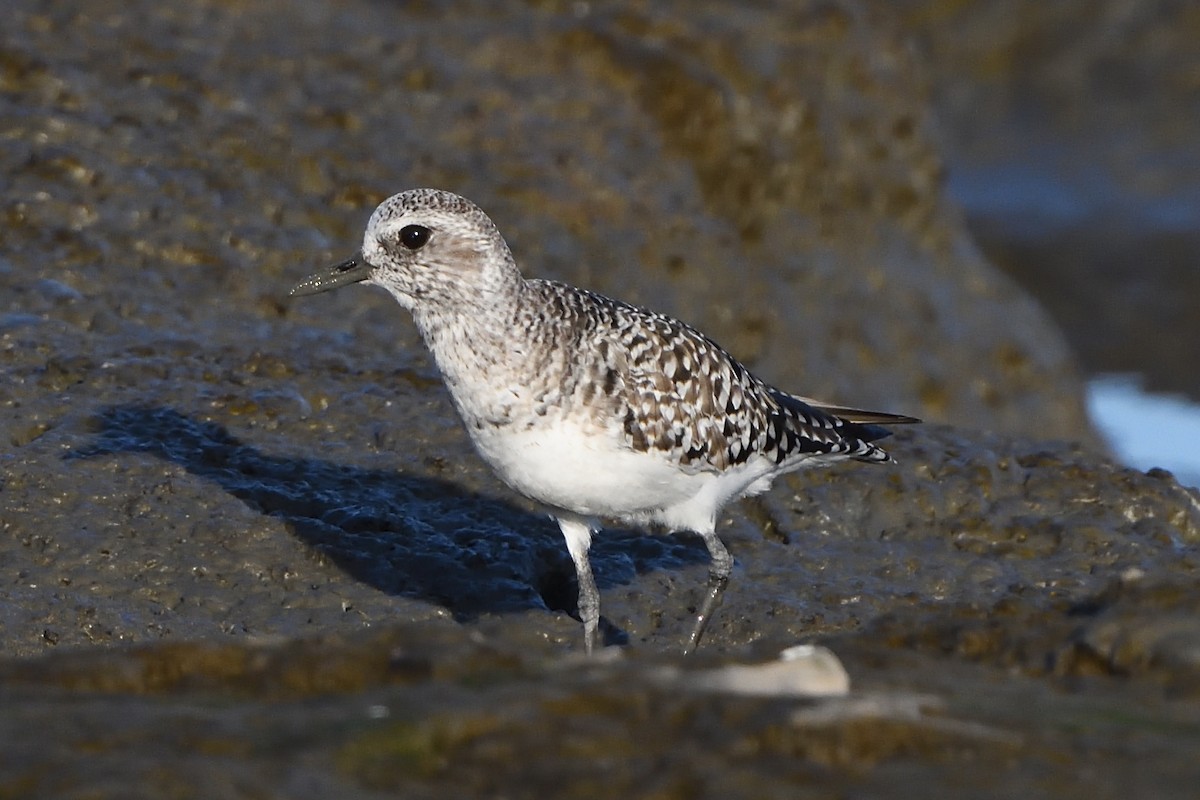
x=561 y=466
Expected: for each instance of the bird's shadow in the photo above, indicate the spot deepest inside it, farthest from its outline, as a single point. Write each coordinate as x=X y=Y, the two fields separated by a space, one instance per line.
x=418 y=537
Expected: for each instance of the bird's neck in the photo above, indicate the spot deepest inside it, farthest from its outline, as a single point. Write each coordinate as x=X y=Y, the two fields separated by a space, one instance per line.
x=476 y=342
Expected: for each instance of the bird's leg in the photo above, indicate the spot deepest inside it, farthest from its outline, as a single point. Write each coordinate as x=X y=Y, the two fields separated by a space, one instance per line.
x=578 y=534
x=718 y=579
x=589 y=603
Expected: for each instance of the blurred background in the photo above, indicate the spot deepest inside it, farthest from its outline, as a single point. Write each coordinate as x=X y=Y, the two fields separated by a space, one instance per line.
x=1070 y=134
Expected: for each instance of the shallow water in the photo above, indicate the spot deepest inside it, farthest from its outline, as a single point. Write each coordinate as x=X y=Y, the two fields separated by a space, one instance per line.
x=1147 y=429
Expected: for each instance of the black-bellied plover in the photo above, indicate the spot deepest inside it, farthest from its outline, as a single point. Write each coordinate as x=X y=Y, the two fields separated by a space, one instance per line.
x=593 y=408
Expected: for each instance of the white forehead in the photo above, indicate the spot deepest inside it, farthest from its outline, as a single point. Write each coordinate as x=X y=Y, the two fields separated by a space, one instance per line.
x=431 y=207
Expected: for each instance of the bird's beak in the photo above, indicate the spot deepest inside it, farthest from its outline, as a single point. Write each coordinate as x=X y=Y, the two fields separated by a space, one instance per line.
x=352 y=270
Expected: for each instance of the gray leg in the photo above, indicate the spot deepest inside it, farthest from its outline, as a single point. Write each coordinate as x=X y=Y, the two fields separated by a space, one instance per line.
x=718 y=579
x=578 y=533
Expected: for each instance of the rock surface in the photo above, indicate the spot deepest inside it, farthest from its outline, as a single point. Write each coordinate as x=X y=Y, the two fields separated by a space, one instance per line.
x=264 y=514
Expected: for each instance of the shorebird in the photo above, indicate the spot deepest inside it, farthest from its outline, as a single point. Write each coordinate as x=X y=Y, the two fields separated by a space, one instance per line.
x=594 y=408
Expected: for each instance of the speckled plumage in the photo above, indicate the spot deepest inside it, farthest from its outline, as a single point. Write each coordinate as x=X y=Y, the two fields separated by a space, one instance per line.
x=592 y=407
x=680 y=395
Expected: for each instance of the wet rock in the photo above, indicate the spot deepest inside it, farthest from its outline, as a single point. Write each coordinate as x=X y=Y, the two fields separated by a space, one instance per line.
x=430 y=711
x=860 y=730
x=1144 y=628
x=265 y=515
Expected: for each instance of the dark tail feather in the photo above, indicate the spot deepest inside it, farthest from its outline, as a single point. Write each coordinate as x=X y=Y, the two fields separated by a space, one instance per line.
x=858 y=415
x=859 y=428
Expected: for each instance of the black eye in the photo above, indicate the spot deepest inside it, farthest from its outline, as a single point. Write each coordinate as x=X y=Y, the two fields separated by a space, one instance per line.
x=414 y=237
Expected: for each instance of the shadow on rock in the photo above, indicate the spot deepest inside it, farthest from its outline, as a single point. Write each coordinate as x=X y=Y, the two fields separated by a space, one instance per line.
x=412 y=536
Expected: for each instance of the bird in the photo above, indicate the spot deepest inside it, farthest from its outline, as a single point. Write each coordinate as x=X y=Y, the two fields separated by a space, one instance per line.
x=593 y=408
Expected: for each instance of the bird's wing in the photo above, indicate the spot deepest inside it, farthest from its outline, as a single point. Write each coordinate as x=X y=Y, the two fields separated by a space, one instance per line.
x=686 y=398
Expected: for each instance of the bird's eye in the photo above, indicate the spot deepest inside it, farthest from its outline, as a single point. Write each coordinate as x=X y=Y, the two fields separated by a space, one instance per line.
x=414 y=237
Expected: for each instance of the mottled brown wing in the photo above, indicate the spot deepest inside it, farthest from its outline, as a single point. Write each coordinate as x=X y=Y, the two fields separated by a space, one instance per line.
x=691 y=401
x=675 y=392
x=687 y=399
